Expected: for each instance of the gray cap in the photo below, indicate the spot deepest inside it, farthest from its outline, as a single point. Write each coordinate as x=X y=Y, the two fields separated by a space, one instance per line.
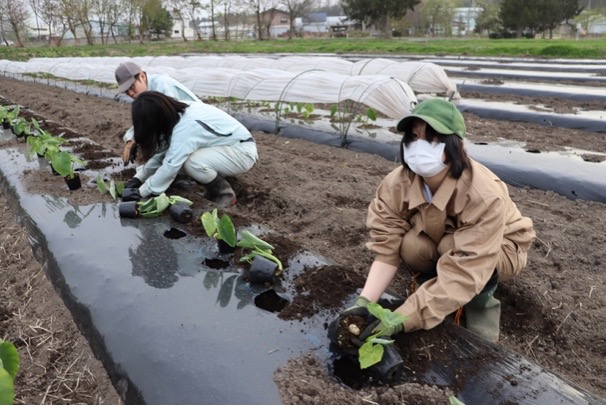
x=125 y=75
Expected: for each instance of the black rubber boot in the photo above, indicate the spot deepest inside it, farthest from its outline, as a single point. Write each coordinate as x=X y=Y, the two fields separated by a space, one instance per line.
x=220 y=192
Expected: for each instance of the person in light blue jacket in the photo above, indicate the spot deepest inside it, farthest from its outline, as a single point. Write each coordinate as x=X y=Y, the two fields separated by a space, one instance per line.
x=196 y=139
x=132 y=81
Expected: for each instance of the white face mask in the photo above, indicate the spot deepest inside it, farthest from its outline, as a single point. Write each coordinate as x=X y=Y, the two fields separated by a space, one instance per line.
x=424 y=158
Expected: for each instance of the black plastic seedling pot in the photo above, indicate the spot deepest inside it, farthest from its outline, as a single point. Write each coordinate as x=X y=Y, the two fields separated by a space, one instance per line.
x=390 y=367
x=181 y=212
x=73 y=182
x=262 y=270
x=128 y=210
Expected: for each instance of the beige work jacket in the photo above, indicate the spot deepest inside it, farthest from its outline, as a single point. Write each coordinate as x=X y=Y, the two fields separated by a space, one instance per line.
x=479 y=213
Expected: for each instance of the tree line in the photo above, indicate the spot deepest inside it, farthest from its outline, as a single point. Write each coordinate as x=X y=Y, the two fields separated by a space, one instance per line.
x=108 y=21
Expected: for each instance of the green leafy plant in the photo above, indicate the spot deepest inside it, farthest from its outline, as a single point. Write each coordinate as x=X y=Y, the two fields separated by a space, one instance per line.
x=372 y=351
x=21 y=126
x=257 y=247
x=154 y=206
x=113 y=188
x=63 y=162
x=11 y=115
x=9 y=366
x=220 y=228
x=43 y=144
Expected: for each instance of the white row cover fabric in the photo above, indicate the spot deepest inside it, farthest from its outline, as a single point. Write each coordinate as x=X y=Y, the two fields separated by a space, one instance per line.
x=389 y=96
x=422 y=77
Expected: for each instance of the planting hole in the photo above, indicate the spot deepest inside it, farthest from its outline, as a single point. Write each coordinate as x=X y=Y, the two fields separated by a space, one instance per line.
x=215 y=263
x=346 y=369
x=174 y=233
x=270 y=301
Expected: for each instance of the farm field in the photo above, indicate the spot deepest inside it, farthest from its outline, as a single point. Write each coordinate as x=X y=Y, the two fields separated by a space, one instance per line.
x=316 y=197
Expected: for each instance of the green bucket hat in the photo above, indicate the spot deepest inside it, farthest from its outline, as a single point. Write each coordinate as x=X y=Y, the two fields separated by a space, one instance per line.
x=440 y=114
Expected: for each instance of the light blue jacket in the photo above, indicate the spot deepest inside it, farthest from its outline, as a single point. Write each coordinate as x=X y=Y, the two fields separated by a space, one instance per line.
x=200 y=126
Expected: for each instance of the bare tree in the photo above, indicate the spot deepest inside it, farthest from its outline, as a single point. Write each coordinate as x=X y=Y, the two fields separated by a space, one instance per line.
x=226 y=24
x=49 y=11
x=16 y=13
x=295 y=9
x=115 y=12
x=35 y=5
x=100 y=9
x=68 y=10
x=439 y=14
x=258 y=7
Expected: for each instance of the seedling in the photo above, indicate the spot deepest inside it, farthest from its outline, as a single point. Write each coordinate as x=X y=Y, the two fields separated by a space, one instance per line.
x=372 y=351
x=63 y=163
x=9 y=366
x=114 y=189
x=44 y=144
x=21 y=126
x=154 y=206
x=220 y=228
x=257 y=247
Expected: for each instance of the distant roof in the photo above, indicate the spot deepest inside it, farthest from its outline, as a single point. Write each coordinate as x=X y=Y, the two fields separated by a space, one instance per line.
x=315 y=18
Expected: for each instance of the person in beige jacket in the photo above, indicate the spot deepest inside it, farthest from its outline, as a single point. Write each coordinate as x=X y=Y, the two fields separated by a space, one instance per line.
x=450 y=220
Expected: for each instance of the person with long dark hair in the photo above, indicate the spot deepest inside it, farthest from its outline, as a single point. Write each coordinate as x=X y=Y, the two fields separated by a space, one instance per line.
x=450 y=221
x=196 y=139
x=132 y=81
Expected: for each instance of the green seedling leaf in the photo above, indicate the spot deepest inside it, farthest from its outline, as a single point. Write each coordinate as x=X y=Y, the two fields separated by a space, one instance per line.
x=175 y=199
x=99 y=182
x=154 y=206
x=9 y=358
x=112 y=189
x=370 y=354
x=263 y=253
x=62 y=163
x=387 y=317
x=455 y=401
x=7 y=388
x=226 y=230
x=210 y=222
x=371 y=114
x=250 y=241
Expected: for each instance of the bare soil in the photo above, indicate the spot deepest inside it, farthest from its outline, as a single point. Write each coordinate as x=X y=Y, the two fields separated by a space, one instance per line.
x=316 y=197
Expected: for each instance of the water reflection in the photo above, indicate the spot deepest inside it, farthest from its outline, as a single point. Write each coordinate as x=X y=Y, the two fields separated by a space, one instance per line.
x=229 y=285
x=154 y=259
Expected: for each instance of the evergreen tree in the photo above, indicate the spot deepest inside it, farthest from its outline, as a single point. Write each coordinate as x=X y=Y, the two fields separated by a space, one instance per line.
x=377 y=12
x=537 y=15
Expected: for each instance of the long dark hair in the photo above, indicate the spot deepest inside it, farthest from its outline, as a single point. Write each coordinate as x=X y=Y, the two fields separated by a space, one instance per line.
x=154 y=115
x=456 y=156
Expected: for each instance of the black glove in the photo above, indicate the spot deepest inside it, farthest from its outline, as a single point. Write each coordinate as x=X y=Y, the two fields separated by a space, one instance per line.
x=131 y=194
x=345 y=330
x=133 y=182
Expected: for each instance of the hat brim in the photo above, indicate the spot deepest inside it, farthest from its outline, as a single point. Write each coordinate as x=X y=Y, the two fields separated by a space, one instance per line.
x=126 y=85
x=406 y=122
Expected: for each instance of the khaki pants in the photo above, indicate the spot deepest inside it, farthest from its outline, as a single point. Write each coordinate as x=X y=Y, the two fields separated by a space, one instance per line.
x=483 y=312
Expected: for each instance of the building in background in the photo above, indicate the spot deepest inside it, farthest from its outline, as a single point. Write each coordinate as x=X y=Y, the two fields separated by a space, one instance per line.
x=464 y=20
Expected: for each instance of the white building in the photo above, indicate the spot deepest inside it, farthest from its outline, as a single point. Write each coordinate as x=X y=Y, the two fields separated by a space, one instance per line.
x=464 y=20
